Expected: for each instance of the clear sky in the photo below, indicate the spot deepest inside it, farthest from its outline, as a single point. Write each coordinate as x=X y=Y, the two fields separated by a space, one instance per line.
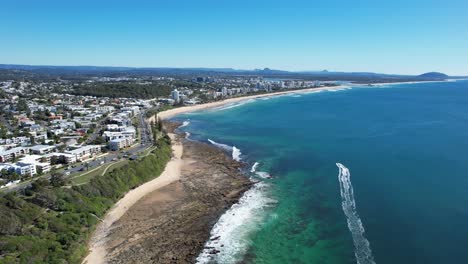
x=395 y=36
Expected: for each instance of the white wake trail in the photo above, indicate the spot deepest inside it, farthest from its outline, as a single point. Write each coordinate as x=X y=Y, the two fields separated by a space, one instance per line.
x=363 y=251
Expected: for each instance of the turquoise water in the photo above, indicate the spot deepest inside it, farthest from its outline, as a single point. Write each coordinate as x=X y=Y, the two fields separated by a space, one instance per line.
x=406 y=150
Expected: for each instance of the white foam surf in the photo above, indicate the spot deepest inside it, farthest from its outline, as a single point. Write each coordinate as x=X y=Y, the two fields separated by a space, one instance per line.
x=362 y=248
x=235 y=152
x=263 y=174
x=219 y=145
x=230 y=237
x=254 y=167
x=184 y=124
x=234 y=105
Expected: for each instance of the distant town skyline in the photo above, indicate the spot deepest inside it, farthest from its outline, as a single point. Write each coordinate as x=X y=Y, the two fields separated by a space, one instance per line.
x=394 y=37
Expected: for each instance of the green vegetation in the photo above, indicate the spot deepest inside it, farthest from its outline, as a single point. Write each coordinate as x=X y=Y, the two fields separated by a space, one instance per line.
x=129 y=90
x=155 y=110
x=51 y=223
x=85 y=177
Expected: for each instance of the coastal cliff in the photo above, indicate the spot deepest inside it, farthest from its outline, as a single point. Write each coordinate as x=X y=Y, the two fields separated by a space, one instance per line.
x=171 y=224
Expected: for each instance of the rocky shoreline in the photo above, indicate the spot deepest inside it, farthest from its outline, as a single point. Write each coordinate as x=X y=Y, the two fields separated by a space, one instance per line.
x=172 y=224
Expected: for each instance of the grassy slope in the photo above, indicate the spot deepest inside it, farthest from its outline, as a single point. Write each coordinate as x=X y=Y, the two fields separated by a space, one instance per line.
x=50 y=224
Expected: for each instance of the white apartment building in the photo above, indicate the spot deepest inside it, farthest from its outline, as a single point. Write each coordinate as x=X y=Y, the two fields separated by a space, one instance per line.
x=13 y=153
x=85 y=152
x=120 y=143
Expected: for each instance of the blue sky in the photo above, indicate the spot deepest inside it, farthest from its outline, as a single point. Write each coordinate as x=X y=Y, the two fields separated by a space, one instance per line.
x=363 y=35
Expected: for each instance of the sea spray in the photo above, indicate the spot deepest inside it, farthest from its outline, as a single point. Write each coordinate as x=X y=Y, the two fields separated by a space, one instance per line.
x=363 y=251
x=260 y=174
x=184 y=124
x=230 y=236
x=235 y=152
x=219 y=145
x=254 y=167
x=234 y=105
x=263 y=174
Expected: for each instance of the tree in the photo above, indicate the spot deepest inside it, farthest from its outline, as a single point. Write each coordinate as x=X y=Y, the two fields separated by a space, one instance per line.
x=57 y=179
x=3 y=131
x=160 y=124
x=22 y=105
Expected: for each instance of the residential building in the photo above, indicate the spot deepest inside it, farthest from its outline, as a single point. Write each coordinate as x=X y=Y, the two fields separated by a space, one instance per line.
x=13 y=153
x=41 y=163
x=85 y=152
x=42 y=149
x=120 y=143
x=25 y=168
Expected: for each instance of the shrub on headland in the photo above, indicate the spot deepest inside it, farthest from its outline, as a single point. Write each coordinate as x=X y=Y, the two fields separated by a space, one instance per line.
x=52 y=224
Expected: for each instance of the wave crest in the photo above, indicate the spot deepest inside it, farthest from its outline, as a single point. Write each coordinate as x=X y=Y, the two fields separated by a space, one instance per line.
x=235 y=152
x=254 y=167
x=230 y=236
x=184 y=124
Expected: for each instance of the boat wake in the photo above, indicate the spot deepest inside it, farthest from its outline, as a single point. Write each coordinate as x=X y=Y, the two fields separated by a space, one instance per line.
x=236 y=153
x=363 y=251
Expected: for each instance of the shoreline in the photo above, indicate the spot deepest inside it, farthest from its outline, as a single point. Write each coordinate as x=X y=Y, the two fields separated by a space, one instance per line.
x=164 y=115
x=171 y=224
x=172 y=173
x=97 y=245
x=167 y=114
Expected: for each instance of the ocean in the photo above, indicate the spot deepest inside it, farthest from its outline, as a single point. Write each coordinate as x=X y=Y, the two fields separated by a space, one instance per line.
x=362 y=175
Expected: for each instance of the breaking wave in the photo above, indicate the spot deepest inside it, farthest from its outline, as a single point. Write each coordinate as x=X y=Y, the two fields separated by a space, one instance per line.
x=362 y=248
x=230 y=236
x=184 y=124
x=254 y=167
x=219 y=145
x=236 y=153
x=263 y=174
x=339 y=89
x=234 y=105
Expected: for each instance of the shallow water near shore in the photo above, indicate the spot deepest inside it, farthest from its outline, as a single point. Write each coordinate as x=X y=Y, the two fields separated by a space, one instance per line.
x=403 y=199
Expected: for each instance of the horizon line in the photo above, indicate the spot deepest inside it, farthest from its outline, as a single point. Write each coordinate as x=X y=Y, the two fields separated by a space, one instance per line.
x=221 y=68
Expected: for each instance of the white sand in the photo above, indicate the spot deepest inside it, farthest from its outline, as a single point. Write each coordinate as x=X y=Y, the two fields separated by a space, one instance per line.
x=170 y=174
x=185 y=109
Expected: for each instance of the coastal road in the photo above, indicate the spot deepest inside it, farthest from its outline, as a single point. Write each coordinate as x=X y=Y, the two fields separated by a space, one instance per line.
x=146 y=141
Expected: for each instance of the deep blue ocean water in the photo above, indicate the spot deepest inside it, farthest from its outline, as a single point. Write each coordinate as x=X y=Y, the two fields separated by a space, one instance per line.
x=406 y=148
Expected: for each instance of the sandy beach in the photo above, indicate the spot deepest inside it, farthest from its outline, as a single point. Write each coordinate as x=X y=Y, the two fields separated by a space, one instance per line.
x=97 y=248
x=186 y=109
x=173 y=217
x=162 y=191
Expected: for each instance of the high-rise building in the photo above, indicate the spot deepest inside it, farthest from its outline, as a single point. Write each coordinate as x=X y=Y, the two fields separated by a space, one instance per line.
x=224 y=91
x=175 y=95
